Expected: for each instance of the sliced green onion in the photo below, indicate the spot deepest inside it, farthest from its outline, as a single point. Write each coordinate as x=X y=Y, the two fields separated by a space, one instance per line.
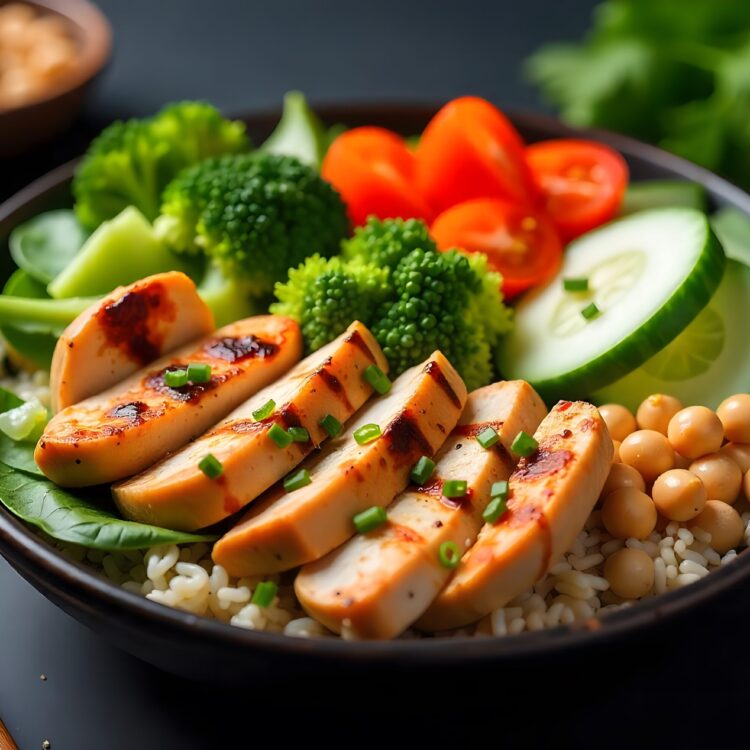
x=500 y=489
x=495 y=508
x=279 y=436
x=422 y=470
x=367 y=433
x=449 y=555
x=199 y=372
x=25 y=421
x=176 y=378
x=331 y=425
x=297 y=480
x=299 y=434
x=455 y=488
x=264 y=594
x=211 y=466
x=487 y=437
x=265 y=411
x=591 y=311
x=377 y=379
x=576 y=285
x=523 y=444
x=370 y=519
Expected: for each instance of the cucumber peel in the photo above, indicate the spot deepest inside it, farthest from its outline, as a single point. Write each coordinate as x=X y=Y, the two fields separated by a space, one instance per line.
x=650 y=274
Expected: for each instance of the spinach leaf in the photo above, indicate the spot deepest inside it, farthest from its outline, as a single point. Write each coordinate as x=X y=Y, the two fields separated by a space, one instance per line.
x=35 y=346
x=71 y=518
x=44 y=245
x=17 y=454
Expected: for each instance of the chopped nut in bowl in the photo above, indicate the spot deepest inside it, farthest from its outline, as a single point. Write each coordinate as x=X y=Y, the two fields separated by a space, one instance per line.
x=50 y=50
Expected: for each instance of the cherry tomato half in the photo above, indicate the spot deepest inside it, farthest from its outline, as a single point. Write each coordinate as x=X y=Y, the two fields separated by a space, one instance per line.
x=471 y=150
x=374 y=171
x=521 y=243
x=582 y=183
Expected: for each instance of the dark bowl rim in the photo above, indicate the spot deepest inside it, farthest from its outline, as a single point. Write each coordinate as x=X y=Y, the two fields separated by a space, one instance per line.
x=39 y=560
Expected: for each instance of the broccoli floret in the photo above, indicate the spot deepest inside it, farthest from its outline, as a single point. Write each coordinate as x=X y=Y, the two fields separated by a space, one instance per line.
x=326 y=295
x=414 y=298
x=386 y=242
x=487 y=303
x=256 y=215
x=441 y=302
x=131 y=162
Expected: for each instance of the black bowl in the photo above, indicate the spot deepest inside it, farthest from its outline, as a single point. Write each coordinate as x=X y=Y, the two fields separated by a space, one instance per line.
x=197 y=647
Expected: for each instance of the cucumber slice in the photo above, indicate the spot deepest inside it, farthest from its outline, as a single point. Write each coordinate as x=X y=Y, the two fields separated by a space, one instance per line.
x=708 y=361
x=649 y=275
x=299 y=133
x=641 y=196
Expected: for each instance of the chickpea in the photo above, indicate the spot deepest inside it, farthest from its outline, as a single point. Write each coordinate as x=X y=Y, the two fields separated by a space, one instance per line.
x=679 y=495
x=647 y=451
x=724 y=524
x=739 y=453
x=630 y=573
x=616 y=451
x=734 y=413
x=655 y=412
x=695 y=431
x=720 y=475
x=619 y=420
x=622 y=475
x=628 y=512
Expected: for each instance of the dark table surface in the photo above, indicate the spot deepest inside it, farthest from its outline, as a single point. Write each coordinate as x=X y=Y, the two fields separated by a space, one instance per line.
x=687 y=683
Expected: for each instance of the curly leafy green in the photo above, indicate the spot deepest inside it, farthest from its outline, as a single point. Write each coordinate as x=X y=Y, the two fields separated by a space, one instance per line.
x=673 y=73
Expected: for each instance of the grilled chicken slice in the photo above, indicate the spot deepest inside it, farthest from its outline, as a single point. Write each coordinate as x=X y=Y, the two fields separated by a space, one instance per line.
x=175 y=493
x=377 y=584
x=552 y=493
x=125 y=331
x=286 y=529
x=133 y=424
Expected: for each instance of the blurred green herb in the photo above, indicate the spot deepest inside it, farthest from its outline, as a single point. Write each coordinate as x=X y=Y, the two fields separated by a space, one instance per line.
x=673 y=73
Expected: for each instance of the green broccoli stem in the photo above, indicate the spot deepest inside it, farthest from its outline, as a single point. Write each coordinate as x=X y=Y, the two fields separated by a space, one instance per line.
x=227 y=298
x=42 y=315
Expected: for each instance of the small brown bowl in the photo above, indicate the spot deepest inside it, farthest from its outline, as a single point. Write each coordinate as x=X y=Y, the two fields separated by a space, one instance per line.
x=40 y=119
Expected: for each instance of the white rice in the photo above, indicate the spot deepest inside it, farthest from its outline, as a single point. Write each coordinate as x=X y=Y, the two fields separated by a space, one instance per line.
x=574 y=590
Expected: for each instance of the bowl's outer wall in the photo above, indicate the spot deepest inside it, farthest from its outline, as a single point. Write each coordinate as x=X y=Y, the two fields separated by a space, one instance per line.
x=206 y=650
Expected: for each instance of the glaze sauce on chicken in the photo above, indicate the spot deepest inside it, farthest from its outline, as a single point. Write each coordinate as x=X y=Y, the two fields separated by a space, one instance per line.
x=130 y=323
